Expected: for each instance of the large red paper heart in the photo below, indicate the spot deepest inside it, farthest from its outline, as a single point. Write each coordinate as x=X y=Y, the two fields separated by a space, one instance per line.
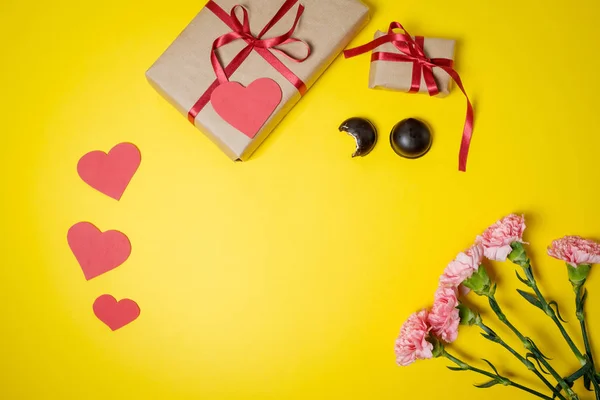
x=247 y=108
x=97 y=252
x=115 y=314
x=110 y=173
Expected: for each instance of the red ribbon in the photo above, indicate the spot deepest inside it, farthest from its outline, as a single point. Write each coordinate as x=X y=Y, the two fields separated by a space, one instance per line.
x=264 y=47
x=412 y=51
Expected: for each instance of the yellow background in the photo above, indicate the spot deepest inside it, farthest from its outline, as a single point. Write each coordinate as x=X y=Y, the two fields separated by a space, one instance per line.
x=286 y=277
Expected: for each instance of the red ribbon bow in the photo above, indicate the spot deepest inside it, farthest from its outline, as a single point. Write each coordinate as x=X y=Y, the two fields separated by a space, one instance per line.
x=412 y=51
x=264 y=47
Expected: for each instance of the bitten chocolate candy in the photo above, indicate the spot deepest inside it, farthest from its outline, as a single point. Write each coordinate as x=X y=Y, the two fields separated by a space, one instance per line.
x=411 y=138
x=363 y=132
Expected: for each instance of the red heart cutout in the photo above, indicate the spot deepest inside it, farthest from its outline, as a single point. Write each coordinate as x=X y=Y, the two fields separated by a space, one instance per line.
x=247 y=108
x=115 y=314
x=97 y=252
x=110 y=173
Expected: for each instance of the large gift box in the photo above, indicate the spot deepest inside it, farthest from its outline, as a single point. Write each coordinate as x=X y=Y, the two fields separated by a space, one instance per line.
x=235 y=71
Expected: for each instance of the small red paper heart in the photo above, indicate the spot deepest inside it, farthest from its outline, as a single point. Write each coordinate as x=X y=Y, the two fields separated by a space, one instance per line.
x=247 y=108
x=97 y=252
x=110 y=173
x=115 y=314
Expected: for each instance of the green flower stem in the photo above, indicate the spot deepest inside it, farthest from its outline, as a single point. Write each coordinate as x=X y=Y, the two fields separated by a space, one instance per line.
x=579 y=307
x=552 y=314
x=493 y=336
x=504 y=381
x=586 y=340
x=519 y=257
x=579 y=304
x=529 y=345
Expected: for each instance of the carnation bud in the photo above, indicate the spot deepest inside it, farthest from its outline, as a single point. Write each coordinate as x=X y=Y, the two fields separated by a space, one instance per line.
x=578 y=275
x=438 y=347
x=468 y=317
x=480 y=282
x=518 y=255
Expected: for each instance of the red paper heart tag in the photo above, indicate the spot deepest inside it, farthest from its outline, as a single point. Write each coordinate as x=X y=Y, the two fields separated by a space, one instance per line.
x=247 y=108
x=115 y=314
x=110 y=173
x=97 y=252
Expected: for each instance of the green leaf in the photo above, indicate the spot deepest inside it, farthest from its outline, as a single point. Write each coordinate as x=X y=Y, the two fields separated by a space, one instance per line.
x=487 y=329
x=528 y=343
x=455 y=368
x=491 y=366
x=494 y=305
x=525 y=281
x=487 y=384
x=531 y=298
x=555 y=304
x=580 y=303
x=531 y=355
x=537 y=352
x=583 y=298
x=492 y=337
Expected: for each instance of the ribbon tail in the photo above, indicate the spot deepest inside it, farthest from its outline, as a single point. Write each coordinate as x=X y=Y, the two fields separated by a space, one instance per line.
x=469 y=122
x=466 y=139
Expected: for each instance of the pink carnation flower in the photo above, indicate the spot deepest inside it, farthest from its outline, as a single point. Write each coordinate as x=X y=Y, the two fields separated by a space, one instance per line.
x=496 y=240
x=412 y=343
x=444 y=316
x=462 y=267
x=575 y=250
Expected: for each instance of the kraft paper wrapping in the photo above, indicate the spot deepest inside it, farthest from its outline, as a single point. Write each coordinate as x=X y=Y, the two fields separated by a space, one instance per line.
x=398 y=75
x=184 y=72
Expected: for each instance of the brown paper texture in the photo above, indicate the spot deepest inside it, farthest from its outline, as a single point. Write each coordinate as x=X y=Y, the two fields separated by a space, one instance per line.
x=398 y=75
x=184 y=72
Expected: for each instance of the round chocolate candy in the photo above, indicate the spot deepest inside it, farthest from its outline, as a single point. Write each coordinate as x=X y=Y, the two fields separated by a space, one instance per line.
x=411 y=138
x=363 y=132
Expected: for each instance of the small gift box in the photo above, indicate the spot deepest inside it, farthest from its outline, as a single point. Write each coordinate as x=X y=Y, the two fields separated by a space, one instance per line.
x=401 y=75
x=416 y=64
x=236 y=71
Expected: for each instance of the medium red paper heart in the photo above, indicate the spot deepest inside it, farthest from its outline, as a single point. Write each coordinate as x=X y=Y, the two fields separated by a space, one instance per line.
x=97 y=252
x=247 y=108
x=115 y=314
x=110 y=173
